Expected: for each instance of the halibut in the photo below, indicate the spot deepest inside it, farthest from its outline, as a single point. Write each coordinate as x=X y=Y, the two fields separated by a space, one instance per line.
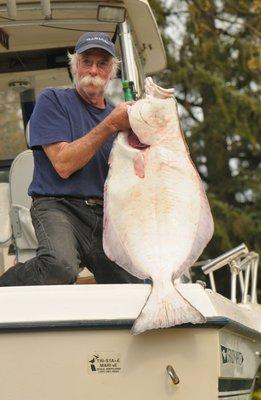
x=157 y=219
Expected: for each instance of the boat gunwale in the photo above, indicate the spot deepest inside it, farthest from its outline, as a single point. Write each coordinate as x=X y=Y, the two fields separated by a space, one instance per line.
x=211 y=323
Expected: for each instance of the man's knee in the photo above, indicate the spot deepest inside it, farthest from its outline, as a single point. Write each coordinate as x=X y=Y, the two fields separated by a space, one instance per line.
x=57 y=270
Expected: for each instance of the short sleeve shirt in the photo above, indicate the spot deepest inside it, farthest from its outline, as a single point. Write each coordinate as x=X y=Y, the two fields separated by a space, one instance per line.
x=61 y=115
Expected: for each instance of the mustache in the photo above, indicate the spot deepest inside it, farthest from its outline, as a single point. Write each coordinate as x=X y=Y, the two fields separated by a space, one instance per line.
x=90 y=80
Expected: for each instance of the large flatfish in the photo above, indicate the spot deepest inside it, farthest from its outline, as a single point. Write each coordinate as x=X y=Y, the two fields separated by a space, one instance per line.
x=157 y=219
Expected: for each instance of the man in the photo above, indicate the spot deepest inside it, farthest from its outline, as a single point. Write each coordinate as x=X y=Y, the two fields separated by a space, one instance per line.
x=71 y=134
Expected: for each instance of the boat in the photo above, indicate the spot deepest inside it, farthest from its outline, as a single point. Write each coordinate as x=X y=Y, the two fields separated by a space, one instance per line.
x=74 y=341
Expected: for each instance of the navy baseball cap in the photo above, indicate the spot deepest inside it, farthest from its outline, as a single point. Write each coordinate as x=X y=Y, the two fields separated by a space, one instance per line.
x=92 y=40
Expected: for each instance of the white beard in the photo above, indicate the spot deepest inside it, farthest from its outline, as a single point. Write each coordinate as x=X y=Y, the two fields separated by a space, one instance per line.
x=98 y=83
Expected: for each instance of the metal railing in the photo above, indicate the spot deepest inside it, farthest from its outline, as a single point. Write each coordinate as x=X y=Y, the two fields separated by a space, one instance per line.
x=243 y=267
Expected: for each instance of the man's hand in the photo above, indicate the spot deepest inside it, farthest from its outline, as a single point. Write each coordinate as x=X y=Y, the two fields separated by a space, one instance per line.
x=118 y=119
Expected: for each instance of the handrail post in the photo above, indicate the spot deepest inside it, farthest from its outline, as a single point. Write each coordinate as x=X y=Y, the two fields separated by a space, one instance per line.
x=242 y=283
x=247 y=276
x=254 y=268
x=212 y=281
x=235 y=270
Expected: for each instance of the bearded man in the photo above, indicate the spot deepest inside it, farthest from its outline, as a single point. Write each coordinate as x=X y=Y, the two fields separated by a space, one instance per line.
x=71 y=135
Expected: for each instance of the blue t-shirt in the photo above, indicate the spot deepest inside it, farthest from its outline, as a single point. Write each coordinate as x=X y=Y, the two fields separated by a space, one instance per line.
x=61 y=115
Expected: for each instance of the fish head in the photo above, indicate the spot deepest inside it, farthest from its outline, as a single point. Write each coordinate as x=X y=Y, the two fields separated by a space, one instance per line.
x=151 y=118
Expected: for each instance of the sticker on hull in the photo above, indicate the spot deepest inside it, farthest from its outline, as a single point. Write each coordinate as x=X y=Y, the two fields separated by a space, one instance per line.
x=104 y=363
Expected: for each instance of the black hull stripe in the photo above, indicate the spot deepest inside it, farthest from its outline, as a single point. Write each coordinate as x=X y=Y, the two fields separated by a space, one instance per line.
x=234 y=384
x=214 y=323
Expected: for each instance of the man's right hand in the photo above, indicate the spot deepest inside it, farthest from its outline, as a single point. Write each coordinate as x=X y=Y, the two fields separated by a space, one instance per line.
x=118 y=119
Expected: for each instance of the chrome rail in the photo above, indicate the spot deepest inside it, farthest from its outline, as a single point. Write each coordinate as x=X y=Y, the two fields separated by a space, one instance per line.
x=243 y=267
x=128 y=58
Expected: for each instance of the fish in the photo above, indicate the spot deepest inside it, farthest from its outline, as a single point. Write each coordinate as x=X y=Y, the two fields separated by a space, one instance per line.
x=157 y=219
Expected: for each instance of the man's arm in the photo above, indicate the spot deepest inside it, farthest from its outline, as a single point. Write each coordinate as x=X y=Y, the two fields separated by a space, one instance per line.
x=67 y=158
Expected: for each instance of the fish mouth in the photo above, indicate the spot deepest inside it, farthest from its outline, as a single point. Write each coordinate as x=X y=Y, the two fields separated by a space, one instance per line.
x=134 y=141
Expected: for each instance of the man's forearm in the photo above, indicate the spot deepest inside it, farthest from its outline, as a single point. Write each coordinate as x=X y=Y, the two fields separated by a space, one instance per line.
x=67 y=158
x=73 y=156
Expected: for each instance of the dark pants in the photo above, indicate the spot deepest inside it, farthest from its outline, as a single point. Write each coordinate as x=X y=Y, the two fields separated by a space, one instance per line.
x=69 y=234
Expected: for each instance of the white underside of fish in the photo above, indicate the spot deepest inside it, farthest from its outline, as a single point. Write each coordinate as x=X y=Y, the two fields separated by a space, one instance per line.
x=157 y=220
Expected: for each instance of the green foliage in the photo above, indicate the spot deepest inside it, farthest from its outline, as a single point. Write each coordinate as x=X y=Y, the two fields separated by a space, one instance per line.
x=214 y=66
x=257 y=395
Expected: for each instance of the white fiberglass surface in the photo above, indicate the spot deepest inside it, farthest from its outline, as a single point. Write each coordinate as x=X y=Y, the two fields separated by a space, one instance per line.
x=108 y=302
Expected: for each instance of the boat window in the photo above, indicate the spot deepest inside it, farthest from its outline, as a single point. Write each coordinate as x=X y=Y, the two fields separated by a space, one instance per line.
x=4 y=176
x=12 y=138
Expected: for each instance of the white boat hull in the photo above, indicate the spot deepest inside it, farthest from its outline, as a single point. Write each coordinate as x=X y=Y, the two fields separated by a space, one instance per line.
x=90 y=354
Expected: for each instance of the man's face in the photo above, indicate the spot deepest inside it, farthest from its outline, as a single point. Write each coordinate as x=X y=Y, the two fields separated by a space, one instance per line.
x=93 y=72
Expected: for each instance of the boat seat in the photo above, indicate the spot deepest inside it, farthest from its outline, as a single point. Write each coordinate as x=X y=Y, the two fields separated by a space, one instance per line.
x=5 y=222
x=21 y=173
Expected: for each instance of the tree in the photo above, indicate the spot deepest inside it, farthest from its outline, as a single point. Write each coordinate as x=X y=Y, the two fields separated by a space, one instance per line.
x=213 y=65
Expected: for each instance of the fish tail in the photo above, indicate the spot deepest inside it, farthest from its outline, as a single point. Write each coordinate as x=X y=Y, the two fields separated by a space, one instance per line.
x=166 y=307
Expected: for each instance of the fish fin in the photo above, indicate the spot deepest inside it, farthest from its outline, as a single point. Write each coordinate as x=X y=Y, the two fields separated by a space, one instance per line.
x=166 y=307
x=139 y=163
